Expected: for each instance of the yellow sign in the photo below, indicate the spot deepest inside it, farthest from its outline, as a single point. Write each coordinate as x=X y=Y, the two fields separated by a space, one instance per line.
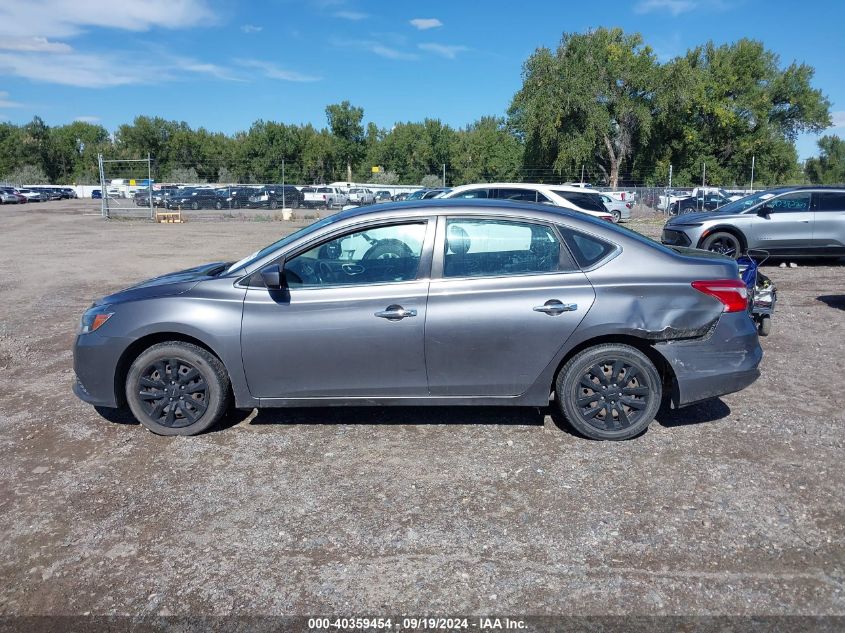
x=376 y=169
x=132 y=182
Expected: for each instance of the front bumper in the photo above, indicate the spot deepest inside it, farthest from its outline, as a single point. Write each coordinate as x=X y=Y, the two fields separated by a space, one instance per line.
x=673 y=237
x=95 y=363
x=723 y=362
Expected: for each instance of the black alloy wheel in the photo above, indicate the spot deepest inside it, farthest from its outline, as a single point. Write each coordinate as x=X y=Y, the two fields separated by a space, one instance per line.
x=177 y=388
x=724 y=243
x=609 y=392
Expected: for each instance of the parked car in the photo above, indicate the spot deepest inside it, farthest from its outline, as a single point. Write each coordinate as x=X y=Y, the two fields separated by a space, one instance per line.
x=621 y=211
x=360 y=196
x=276 y=197
x=701 y=199
x=142 y=198
x=96 y=194
x=33 y=196
x=399 y=197
x=575 y=198
x=192 y=198
x=383 y=196
x=8 y=196
x=323 y=197
x=427 y=194
x=69 y=193
x=234 y=197
x=790 y=221
x=114 y=192
x=448 y=302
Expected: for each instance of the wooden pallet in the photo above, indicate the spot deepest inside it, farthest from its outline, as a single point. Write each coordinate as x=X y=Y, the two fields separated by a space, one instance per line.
x=169 y=217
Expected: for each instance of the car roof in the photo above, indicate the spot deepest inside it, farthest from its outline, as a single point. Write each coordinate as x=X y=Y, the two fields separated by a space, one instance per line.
x=524 y=185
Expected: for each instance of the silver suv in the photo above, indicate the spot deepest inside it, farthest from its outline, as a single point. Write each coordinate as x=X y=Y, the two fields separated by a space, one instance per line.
x=787 y=222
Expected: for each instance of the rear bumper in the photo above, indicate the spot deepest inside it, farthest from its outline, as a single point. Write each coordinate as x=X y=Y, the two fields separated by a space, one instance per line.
x=723 y=362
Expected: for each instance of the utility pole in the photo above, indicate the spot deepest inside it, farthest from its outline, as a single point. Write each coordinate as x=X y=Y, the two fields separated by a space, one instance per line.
x=582 y=173
x=703 y=172
x=444 y=175
x=670 y=176
x=284 y=206
x=752 y=173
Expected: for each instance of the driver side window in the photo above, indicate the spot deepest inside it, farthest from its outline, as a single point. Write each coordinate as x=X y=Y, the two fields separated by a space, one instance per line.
x=376 y=255
x=791 y=202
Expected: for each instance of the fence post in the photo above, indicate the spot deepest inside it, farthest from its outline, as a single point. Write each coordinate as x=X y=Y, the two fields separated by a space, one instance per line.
x=104 y=198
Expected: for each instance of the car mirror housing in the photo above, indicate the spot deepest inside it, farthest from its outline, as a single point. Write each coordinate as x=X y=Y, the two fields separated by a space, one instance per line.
x=764 y=210
x=273 y=277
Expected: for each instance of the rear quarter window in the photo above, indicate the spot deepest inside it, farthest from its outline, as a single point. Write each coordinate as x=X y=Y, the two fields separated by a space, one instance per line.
x=587 y=250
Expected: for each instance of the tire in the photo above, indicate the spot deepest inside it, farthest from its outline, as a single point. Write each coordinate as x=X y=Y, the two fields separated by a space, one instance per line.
x=388 y=249
x=617 y=216
x=195 y=205
x=197 y=409
x=273 y=204
x=218 y=205
x=764 y=326
x=724 y=243
x=621 y=415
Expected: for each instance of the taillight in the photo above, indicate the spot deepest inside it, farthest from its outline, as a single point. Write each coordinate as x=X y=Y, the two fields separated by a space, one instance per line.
x=607 y=218
x=629 y=205
x=731 y=292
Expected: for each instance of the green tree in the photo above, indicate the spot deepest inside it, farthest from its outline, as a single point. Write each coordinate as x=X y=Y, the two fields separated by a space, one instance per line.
x=26 y=175
x=485 y=151
x=431 y=181
x=589 y=101
x=829 y=167
x=345 y=123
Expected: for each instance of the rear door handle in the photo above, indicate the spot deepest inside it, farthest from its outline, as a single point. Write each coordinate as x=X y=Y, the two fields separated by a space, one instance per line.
x=553 y=307
x=396 y=313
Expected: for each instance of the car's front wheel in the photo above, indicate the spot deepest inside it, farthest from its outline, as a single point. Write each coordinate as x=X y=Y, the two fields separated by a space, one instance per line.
x=609 y=392
x=724 y=243
x=177 y=388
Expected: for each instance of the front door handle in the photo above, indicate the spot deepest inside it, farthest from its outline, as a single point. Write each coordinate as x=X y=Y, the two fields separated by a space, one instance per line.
x=553 y=307
x=396 y=313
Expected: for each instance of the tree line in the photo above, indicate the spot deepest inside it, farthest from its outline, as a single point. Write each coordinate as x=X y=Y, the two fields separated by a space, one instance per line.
x=601 y=106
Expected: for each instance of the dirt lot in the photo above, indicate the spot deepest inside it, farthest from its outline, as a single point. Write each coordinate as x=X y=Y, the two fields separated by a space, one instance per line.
x=730 y=507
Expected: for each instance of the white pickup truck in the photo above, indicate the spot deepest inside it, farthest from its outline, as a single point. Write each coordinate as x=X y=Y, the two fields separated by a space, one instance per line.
x=361 y=196
x=320 y=197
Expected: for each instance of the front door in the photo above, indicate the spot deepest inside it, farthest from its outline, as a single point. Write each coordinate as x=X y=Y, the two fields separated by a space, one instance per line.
x=788 y=226
x=350 y=324
x=507 y=298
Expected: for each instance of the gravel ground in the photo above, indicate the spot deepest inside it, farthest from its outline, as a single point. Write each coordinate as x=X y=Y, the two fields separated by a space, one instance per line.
x=730 y=507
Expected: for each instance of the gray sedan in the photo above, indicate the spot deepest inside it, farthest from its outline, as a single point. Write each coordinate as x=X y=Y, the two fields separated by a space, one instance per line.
x=444 y=302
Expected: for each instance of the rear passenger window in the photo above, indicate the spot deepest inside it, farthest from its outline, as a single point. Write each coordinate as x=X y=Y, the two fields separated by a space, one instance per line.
x=520 y=195
x=582 y=200
x=472 y=193
x=831 y=201
x=586 y=249
x=485 y=248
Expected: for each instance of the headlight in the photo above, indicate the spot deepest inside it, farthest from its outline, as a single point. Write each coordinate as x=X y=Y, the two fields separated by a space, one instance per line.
x=94 y=318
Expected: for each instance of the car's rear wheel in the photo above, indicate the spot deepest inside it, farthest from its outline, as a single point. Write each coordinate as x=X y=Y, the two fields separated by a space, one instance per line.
x=195 y=205
x=609 y=392
x=724 y=243
x=617 y=216
x=177 y=388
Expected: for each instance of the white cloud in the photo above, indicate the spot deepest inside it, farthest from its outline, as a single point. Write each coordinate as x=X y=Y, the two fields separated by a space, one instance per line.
x=73 y=69
x=355 y=16
x=66 y=18
x=444 y=50
x=674 y=7
x=271 y=71
x=377 y=48
x=837 y=119
x=33 y=45
x=5 y=102
x=88 y=119
x=251 y=28
x=426 y=23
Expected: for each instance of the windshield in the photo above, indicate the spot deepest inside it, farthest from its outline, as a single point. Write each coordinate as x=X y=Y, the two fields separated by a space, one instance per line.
x=743 y=204
x=254 y=257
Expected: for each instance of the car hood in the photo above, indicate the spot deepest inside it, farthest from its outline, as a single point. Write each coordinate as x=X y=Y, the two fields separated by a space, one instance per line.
x=703 y=216
x=165 y=285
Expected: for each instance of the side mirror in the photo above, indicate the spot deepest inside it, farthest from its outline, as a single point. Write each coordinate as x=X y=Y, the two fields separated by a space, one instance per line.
x=273 y=277
x=764 y=210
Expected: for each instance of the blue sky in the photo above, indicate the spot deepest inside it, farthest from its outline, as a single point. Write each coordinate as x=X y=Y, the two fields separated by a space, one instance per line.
x=222 y=64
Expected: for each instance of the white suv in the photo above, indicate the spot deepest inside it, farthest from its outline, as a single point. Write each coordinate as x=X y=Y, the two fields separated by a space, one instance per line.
x=567 y=196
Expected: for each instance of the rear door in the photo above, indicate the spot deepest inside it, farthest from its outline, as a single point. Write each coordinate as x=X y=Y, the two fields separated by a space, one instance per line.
x=829 y=225
x=504 y=297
